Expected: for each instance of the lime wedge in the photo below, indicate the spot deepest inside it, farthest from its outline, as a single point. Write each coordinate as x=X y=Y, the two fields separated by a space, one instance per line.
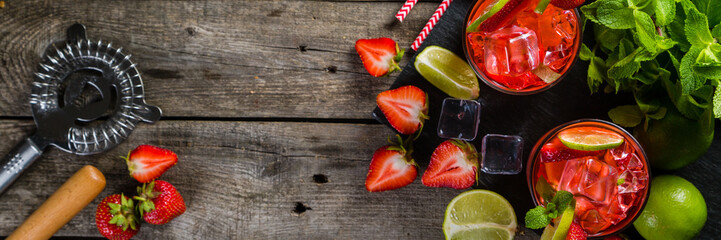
x=546 y=74
x=479 y=214
x=447 y=72
x=590 y=138
x=495 y=7
x=541 y=7
x=562 y=224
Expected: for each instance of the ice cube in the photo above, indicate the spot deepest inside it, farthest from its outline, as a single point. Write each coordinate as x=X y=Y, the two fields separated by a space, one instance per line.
x=475 y=39
x=511 y=51
x=589 y=216
x=630 y=181
x=591 y=178
x=501 y=154
x=459 y=119
x=557 y=31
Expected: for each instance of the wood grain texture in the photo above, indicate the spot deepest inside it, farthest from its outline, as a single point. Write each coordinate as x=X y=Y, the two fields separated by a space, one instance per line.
x=279 y=59
x=243 y=181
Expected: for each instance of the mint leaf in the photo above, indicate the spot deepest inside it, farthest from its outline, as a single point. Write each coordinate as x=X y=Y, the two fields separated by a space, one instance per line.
x=717 y=101
x=626 y=115
x=708 y=70
x=562 y=200
x=596 y=74
x=586 y=54
x=711 y=8
x=708 y=62
x=659 y=114
x=624 y=68
x=536 y=218
x=608 y=38
x=615 y=14
x=646 y=31
x=689 y=80
x=665 y=11
x=716 y=32
x=696 y=28
x=675 y=30
x=590 y=11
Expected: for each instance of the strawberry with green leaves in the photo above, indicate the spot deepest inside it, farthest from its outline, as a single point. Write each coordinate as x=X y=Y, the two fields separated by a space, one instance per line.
x=454 y=164
x=406 y=108
x=148 y=162
x=159 y=202
x=115 y=217
x=391 y=167
x=380 y=56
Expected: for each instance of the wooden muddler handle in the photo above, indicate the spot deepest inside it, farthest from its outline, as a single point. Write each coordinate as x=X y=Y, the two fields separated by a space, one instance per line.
x=76 y=193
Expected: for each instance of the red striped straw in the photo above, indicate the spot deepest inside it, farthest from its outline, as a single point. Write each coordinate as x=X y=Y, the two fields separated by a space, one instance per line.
x=429 y=26
x=405 y=9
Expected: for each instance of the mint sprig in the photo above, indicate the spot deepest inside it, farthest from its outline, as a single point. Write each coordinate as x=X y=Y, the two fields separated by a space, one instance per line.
x=540 y=216
x=659 y=50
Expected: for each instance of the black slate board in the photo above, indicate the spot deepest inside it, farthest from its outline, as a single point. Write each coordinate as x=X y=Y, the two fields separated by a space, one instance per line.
x=532 y=116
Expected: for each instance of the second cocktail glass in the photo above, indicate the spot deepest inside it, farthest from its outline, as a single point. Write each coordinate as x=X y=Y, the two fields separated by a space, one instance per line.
x=525 y=52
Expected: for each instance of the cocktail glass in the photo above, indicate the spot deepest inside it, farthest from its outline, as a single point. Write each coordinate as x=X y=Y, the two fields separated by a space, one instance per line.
x=610 y=186
x=529 y=53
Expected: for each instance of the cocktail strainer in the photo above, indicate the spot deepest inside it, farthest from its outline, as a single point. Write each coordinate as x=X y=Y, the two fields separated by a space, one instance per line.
x=86 y=98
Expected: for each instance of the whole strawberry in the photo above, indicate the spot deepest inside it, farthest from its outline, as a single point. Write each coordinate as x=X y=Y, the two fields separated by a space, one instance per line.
x=567 y=4
x=147 y=162
x=159 y=202
x=115 y=217
x=576 y=232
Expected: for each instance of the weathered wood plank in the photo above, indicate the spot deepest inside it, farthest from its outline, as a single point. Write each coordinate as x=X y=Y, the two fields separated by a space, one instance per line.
x=219 y=58
x=244 y=180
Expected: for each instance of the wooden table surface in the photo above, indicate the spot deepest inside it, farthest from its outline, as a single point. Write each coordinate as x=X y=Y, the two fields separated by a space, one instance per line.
x=266 y=104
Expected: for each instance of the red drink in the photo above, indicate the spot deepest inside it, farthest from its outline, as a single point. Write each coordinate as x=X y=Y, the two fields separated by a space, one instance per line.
x=527 y=52
x=610 y=186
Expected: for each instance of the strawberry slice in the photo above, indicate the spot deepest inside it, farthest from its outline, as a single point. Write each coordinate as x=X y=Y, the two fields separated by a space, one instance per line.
x=148 y=162
x=405 y=108
x=497 y=15
x=380 y=56
x=555 y=151
x=576 y=232
x=392 y=167
x=453 y=164
x=567 y=4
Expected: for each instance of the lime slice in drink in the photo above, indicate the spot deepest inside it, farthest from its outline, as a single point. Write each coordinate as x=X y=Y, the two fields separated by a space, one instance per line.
x=479 y=214
x=590 y=138
x=559 y=229
x=541 y=7
x=447 y=72
x=546 y=74
x=495 y=7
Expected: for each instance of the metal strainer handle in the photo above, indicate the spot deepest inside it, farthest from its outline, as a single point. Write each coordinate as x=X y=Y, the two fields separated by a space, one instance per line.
x=15 y=162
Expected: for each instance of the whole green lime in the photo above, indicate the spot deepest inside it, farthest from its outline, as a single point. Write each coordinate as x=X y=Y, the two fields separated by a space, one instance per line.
x=675 y=210
x=675 y=141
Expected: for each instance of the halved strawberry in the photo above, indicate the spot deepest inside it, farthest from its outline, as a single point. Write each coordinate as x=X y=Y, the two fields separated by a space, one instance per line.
x=148 y=162
x=159 y=202
x=497 y=15
x=555 y=151
x=405 y=108
x=391 y=167
x=576 y=232
x=567 y=4
x=380 y=56
x=453 y=164
x=115 y=217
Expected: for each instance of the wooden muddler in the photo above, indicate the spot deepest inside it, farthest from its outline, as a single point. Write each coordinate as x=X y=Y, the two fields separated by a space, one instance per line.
x=76 y=193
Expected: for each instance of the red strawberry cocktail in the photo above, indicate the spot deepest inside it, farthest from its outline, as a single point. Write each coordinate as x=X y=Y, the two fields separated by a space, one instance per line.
x=602 y=165
x=520 y=47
